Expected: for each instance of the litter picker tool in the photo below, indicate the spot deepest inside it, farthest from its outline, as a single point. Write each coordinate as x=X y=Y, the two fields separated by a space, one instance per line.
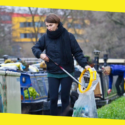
x=66 y=72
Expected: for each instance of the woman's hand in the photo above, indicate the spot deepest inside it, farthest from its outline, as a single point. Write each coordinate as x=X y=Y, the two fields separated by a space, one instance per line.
x=87 y=67
x=44 y=57
x=109 y=91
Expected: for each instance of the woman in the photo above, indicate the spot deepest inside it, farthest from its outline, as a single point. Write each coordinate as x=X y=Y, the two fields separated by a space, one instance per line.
x=60 y=46
x=114 y=70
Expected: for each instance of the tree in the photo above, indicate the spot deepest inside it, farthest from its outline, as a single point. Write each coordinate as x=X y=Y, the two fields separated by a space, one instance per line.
x=36 y=28
x=5 y=32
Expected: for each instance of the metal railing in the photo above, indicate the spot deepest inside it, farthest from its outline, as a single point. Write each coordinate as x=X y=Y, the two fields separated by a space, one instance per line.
x=35 y=60
x=27 y=60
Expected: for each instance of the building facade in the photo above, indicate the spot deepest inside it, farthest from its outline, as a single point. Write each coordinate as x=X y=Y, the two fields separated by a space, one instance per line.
x=27 y=29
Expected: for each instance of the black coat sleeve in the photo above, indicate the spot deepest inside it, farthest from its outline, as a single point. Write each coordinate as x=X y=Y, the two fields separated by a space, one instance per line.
x=39 y=47
x=77 y=52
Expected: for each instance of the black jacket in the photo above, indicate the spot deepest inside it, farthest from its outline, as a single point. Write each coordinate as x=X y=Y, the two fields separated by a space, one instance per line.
x=52 y=49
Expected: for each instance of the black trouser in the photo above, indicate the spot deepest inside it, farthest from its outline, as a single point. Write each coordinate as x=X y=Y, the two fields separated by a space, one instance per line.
x=53 y=93
x=120 y=85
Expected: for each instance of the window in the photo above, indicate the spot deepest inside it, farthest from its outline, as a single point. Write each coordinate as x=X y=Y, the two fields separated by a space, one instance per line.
x=22 y=35
x=69 y=25
x=6 y=17
x=26 y=24
x=39 y=35
x=39 y=24
x=21 y=24
x=43 y=24
x=77 y=26
x=30 y=35
x=26 y=35
x=78 y=36
x=29 y=24
x=15 y=48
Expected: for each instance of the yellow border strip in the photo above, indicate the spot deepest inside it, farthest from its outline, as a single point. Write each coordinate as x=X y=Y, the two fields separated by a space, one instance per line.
x=93 y=5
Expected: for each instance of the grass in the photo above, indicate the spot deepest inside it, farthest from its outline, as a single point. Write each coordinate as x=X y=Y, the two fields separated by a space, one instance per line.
x=114 y=110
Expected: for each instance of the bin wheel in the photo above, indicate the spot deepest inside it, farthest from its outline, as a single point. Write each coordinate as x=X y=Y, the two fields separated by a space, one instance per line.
x=26 y=110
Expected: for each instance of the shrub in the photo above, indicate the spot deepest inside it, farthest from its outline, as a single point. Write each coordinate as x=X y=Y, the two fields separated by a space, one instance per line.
x=114 y=110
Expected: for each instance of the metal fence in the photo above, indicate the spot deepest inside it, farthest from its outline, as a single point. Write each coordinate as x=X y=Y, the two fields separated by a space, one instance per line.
x=27 y=60
x=35 y=60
